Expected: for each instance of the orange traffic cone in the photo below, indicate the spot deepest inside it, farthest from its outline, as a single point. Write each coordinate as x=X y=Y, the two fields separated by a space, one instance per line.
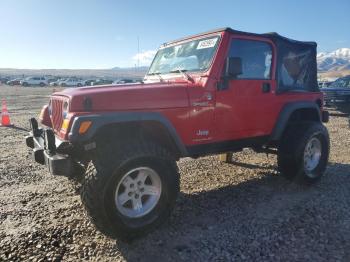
x=5 y=118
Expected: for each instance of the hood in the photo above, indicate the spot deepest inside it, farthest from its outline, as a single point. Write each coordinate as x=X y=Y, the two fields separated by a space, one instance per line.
x=127 y=97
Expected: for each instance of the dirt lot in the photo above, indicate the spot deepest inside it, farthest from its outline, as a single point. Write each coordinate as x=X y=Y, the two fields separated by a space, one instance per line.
x=225 y=212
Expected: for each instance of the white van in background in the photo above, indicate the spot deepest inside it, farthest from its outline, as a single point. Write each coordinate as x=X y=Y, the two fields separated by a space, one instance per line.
x=35 y=81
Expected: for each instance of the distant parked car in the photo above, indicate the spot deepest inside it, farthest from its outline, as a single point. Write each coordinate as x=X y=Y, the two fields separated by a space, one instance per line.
x=339 y=90
x=52 y=79
x=99 y=82
x=35 y=81
x=89 y=82
x=4 y=80
x=72 y=82
x=14 y=82
x=123 y=81
x=57 y=82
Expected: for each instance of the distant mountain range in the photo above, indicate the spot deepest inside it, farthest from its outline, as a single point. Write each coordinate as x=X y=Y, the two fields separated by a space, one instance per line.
x=330 y=65
x=337 y=60
x=113 y=73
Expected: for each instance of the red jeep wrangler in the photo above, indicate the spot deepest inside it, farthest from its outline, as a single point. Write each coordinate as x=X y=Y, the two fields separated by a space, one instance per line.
x=220 y=91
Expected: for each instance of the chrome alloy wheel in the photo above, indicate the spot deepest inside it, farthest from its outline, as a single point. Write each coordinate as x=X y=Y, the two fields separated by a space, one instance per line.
x=312 y=155
x=138 y=192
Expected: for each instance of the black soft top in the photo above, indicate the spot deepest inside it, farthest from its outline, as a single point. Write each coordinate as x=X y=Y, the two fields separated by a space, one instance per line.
x=296 y=60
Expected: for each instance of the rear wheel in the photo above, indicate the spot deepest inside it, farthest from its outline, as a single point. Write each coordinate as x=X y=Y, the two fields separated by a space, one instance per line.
x=303 y=152
x=133 y=192
x=42 y=84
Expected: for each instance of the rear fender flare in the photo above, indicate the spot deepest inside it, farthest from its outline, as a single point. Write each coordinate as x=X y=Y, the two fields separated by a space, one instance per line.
x=285 y=114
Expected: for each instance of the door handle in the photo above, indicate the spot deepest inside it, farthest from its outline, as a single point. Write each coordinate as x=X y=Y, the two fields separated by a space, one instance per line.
x=266 y=88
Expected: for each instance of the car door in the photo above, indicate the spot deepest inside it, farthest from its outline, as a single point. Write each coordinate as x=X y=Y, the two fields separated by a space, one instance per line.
x=245 y=107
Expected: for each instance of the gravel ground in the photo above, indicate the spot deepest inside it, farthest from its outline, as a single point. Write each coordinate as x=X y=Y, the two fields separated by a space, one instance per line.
x=224 y=212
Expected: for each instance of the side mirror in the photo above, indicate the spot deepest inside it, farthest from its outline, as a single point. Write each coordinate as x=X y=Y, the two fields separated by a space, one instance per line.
x=233 y=67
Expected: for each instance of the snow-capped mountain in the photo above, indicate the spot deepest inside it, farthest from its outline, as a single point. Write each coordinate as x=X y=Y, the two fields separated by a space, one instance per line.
x=337 y=60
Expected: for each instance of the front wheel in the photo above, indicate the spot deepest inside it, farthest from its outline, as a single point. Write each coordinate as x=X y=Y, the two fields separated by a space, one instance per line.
x=132 y=194
x=303 y=152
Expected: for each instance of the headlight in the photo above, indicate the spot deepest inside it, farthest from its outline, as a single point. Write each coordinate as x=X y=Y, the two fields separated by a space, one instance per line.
x=65 y=109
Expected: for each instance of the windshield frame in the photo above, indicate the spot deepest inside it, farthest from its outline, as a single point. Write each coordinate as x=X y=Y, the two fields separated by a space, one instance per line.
x=172 y=44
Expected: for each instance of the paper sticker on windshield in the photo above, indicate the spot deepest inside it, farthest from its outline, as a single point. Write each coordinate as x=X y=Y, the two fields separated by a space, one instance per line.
x=207 y=43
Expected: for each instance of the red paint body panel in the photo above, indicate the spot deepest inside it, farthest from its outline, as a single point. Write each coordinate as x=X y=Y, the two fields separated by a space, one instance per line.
x=129 y=97
x=199 y=112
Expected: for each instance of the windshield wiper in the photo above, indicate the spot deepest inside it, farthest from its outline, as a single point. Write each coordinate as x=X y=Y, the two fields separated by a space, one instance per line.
x=184 y=73
x=157 y=74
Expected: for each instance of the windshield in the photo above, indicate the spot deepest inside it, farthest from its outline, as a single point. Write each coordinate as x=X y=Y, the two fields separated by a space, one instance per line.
x=342 y=82
x=192 y=56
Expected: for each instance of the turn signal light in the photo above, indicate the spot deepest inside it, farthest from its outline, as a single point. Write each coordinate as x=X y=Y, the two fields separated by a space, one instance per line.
x=84 y=126
x=65 y=124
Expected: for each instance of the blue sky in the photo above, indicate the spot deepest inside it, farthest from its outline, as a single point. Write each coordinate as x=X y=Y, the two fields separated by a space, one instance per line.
x=103 y=33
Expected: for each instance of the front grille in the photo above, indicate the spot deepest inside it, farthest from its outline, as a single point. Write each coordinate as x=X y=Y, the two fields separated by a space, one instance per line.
x=56 y=113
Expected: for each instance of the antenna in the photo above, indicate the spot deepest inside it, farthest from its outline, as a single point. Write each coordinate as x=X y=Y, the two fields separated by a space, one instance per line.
x=138 y=51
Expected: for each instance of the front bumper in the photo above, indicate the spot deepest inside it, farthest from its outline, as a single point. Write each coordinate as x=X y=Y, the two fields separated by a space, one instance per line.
x=46 y=150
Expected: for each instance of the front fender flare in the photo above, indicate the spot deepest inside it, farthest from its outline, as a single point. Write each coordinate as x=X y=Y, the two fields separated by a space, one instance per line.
x=100 y=120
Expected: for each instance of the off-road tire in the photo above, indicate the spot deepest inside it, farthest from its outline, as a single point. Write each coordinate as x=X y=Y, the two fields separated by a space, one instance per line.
x=76 y=177
x=291 y=152
x=78 y=173
x=104 y=173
